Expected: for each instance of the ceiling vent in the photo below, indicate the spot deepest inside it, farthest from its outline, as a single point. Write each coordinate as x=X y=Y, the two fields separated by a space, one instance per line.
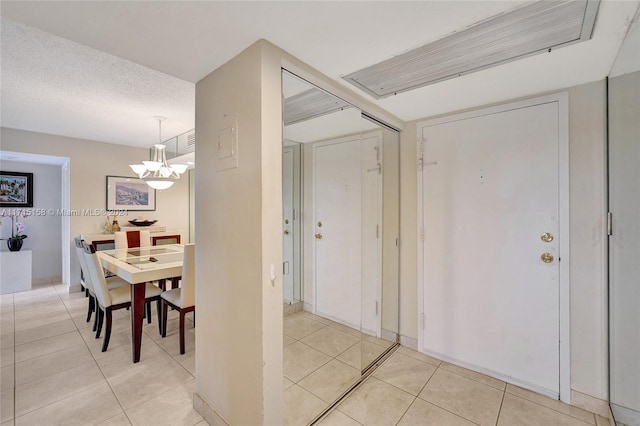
x=535 y=28
x=310 y=104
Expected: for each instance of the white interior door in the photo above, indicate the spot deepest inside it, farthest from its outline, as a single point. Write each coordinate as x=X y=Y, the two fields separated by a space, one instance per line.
x=287 y=224
x=490 y=190
x=337 y=204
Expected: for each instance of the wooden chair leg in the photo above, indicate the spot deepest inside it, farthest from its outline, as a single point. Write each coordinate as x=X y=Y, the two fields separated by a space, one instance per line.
x=96 y=309
x=159 y=309
x=90 y=309
x=182 y=313
x=148 y=310
x=165 y=312
x=100 y=315
x=107 y=331
x=194 y=318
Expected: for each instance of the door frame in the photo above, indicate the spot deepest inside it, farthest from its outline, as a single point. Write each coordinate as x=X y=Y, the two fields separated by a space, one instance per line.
x=310 y=229
x=562 y=100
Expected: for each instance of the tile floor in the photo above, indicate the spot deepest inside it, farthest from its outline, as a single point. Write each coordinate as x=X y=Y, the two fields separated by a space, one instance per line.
x=409 y=389
x=53 y=373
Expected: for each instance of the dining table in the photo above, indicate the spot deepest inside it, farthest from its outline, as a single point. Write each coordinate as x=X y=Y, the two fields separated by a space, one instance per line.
x=138 y=266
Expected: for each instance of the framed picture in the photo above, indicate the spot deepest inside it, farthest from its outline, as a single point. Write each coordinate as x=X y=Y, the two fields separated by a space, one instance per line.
x=16 y=189
x=127 y=193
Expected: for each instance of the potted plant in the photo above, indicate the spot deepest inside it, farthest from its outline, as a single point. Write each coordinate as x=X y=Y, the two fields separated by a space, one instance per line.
x=14 y=242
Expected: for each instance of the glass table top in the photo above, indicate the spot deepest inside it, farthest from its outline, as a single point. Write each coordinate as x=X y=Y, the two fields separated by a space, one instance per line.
x=153 y=257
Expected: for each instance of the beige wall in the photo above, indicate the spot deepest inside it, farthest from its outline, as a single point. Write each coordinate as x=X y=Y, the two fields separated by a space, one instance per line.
x=587 y=233
x=238 y=218
x=90 y=163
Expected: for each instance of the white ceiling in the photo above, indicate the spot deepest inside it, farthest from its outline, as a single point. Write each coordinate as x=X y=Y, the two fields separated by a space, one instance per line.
x=102 y=69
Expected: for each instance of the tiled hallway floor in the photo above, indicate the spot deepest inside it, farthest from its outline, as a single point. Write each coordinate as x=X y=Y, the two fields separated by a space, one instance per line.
x=409 y=389
x=53 y=373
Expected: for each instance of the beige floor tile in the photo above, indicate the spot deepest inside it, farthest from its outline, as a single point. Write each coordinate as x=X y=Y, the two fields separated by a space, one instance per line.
x=465 y=397
x=286 y=383
x=119 y=420
x=602 y=421
x=520 y=411
x=7 y=356
x=298 y=326
x=331 y=380
x=147 y=381
x=375 y=340
x=406 y=373
x=47 y=365
x=7 y=337
x=417 y=355
x=315 y=317
x=39 y=393
x=188 y=361
x=28 y=335
x=361 y=355
x=171 y=343
x=301 y=360
x=330 y=341
x=118 y=361
x=202 y=423
x=376 y=403
x=286 y=341
x=478 y=377
x=336 y=418
x=422 y=413
x=300 y=406
x=93 y=405
x=172 y=408
x=346 y=329
x=556 y=405
x=47 y=346
x=6 y=394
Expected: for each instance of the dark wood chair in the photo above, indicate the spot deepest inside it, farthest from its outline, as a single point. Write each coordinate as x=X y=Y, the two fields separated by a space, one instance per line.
x=182 y=299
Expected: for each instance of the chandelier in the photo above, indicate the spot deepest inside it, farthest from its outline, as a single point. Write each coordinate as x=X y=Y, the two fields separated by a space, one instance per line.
x=156 y=172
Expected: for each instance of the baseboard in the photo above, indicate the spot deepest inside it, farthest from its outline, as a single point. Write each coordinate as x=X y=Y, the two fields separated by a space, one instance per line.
x=292 y=308
x=75 y=288
x=408 y=342
x=308 y=307
x=590 y=403
x=389 y=336
x=208 y=413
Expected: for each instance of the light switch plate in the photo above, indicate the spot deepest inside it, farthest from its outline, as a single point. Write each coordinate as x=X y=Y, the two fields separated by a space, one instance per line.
x=227 y=147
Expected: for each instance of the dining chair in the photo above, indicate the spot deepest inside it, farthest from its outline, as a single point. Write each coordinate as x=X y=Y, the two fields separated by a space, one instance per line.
x=112 y=282
x=108 y=300
x=131 y=239
x=182 y=299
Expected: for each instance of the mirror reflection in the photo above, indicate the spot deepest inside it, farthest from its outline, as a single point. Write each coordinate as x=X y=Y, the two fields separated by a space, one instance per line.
x=340 y=253
x=624 y=242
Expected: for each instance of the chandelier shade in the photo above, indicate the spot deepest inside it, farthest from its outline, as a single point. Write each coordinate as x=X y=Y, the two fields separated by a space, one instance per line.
x=156 y=172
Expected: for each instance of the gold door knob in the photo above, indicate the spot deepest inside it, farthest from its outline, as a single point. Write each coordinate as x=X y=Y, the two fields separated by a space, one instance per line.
x=286 y=232
x=547 y=237
x=319 y=236
x=546 y=257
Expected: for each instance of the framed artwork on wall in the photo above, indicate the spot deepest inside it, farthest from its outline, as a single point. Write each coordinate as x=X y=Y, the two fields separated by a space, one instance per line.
x=16 y=189
x=132 y=194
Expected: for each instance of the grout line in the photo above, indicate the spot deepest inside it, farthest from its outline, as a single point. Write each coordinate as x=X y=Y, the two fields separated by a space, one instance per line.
x=500 y=409
x=407 y=409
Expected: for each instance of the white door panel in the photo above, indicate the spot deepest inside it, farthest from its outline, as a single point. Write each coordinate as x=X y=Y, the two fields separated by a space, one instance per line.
x=490 y=189
x=287 y=225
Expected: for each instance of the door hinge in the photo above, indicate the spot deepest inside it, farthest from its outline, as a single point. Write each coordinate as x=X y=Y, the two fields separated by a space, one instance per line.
x=377 y=231
x=420 y=153
x=396 y=242
x=609 y=223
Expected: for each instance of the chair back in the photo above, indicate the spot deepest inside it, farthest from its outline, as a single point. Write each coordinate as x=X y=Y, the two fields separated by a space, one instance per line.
x=188 y=288
x=83 y=263
x=132 y=239
x=98 y=281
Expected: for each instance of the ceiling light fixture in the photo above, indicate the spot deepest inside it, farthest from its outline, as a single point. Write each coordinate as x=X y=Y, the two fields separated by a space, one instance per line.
x=156 y=172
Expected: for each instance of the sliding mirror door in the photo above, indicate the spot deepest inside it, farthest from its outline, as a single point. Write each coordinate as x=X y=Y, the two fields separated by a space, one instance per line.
x=340 y=198
x=624 y=241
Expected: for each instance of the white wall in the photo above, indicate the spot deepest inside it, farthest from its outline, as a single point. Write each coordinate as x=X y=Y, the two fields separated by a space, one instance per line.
x=43 y=232
x=90 y=163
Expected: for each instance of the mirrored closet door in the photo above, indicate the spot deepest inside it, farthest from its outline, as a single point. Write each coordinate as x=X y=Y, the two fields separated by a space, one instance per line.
x=340 y=230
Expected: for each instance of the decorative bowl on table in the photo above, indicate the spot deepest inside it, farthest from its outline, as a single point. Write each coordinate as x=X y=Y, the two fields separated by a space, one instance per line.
x=142 y=222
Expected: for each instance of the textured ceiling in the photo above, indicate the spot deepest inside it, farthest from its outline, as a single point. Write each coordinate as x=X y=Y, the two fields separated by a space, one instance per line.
x=112 y=93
